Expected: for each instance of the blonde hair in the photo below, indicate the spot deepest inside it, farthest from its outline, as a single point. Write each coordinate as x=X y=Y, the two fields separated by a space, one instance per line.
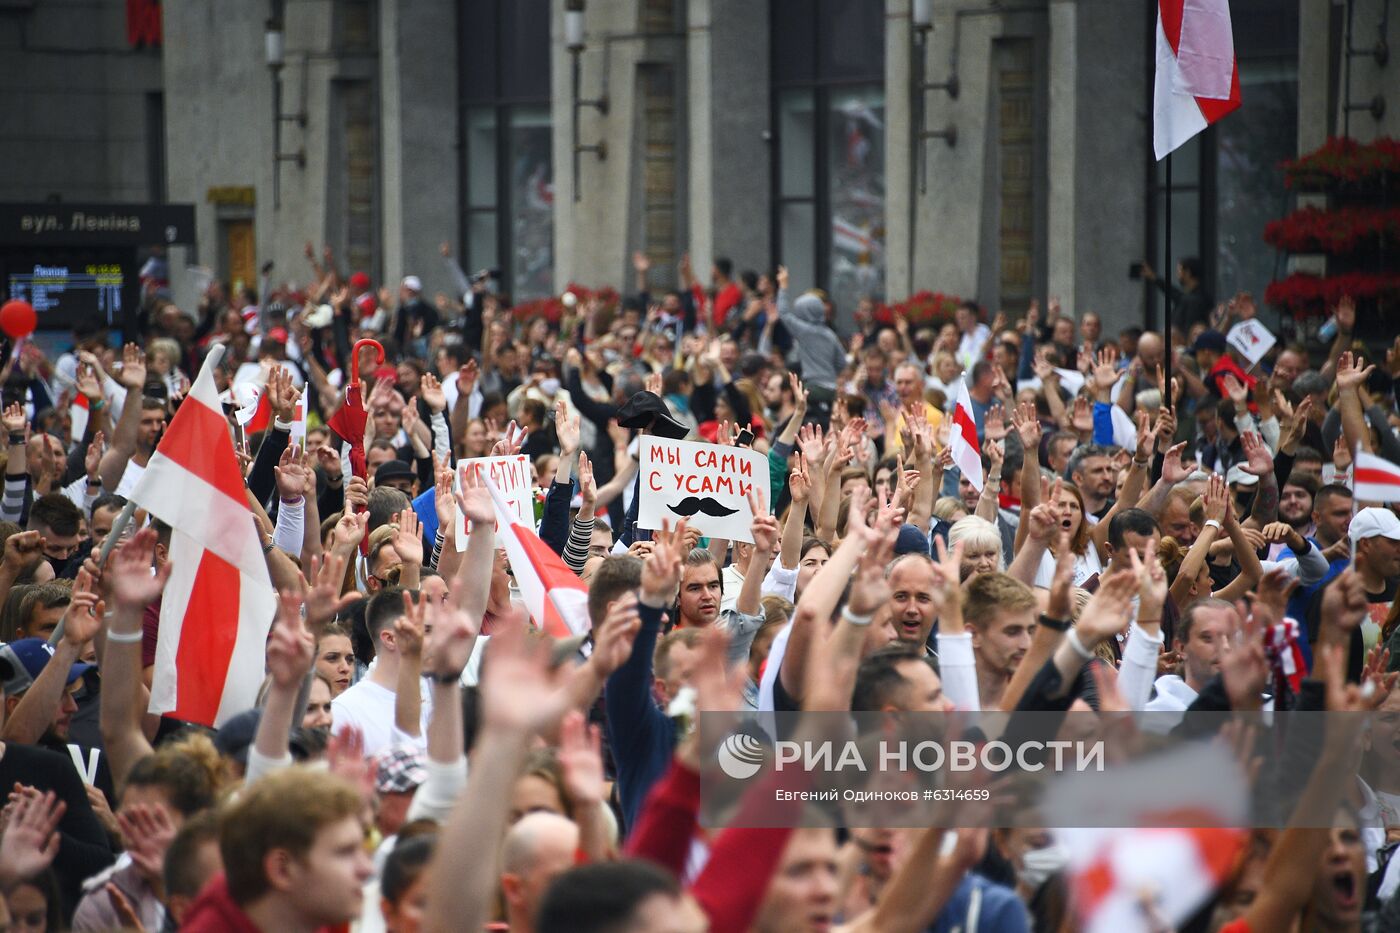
x=948 y=506
x=973 y=531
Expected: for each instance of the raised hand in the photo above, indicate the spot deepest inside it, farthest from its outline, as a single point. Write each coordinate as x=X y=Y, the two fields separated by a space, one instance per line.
x=810 y=442
x=510 y=442
x=1106 y=368
x=1346 y=314
x=661 y=570
x=1245 y=667
x=799 y=394
x=88 y=383
x=430 y=390
x=14 y=419
x=1082 y=419
x=128 y=575
x=291 y=648
x=23 y=552
x=1352 y=372
x=92 y=460
x=1173 y=470
x=323 y=597
x=1260 y=462
x=349 y=530
x=1027 y=425
x=612 y=640
x=994 y=427
x=357 y=493
x=475 y=501
x=587 y=486
x=291 y=482
x=1044 y=522
x=1275 y=588
x=451 y=634
x=581 y=759
x=345 y=754
x=1059 y=606
x=285 y=397
x=30 y=841
x=1216 y=498
x=566 y=428
x=408 y=538
x=765 y=527
x=1152 y=583
x=83 y=618
x=1165 y=428
x=1341 y=453
x=1236 y=390
x=466 y=377
x=1344 y=601
x=133 y=374
x=410 y=627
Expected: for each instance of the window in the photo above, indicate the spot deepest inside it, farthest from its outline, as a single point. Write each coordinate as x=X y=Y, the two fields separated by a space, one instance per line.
x=1226 y=183
x=507 y=166
x=829 y=153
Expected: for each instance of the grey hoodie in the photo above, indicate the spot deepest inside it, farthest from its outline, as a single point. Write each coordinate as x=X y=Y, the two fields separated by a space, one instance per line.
x=819 y=350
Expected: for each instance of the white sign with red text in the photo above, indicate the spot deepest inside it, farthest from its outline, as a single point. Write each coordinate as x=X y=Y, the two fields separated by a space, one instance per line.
x=514 y=477
x=1252 y=339
x=706 y=484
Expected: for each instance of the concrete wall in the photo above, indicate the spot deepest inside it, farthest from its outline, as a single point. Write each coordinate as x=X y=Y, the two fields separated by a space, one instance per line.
x=591 y=234
x=418 y=122
x=73 y=103
x=730 y=154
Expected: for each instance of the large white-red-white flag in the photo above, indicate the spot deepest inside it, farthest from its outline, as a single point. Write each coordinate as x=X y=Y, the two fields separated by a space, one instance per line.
x=554 y=595
x=962 y=438
x=1197 y=80
x=219 y=603
x=1375 y=479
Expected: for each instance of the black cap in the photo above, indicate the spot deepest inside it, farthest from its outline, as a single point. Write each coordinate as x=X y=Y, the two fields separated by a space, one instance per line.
x=393 y=469
x=236 y=735
x=1210 y=340
x=646 y=410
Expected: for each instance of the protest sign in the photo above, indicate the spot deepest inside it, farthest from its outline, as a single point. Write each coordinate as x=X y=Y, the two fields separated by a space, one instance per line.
x=707 y=484
x=515 y=479
x=1251 y=339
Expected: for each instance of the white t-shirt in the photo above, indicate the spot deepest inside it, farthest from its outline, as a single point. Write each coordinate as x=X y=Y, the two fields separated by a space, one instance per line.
x=130 y=477
x=370 y=708
x=1085 y=566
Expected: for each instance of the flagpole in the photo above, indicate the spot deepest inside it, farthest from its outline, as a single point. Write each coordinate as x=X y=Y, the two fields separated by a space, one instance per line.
x=1167 y=292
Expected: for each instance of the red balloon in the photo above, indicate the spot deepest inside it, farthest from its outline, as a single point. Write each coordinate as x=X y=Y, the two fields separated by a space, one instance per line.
x=17 y=318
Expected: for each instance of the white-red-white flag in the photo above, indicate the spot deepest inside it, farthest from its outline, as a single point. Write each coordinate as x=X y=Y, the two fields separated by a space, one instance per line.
x=554 y=595
x=1197 y=80
x=1375 y=479
x=962 y=438
x=219 y=603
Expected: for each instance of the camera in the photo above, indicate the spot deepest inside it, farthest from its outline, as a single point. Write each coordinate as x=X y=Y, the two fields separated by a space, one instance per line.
x=485 y=274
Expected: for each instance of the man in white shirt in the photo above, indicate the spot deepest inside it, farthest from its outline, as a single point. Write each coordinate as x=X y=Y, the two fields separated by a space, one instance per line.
x=369 y=704
x=1202 y=637
x=974 y=333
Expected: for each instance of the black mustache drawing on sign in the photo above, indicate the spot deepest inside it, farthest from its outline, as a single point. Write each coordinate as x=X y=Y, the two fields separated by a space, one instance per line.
x=692 y=504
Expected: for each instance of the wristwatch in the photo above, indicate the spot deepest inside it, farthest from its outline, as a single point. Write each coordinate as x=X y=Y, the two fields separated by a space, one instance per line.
x=1055 y=625
x=446 y=679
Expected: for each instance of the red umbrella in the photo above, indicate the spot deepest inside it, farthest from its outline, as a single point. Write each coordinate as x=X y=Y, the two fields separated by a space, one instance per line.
x=349 y=421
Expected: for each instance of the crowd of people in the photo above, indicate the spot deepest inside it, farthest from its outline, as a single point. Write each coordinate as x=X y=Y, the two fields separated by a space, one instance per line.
x=1151 y=532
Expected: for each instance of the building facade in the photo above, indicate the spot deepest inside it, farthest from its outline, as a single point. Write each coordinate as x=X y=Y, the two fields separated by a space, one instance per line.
x=1001 y=150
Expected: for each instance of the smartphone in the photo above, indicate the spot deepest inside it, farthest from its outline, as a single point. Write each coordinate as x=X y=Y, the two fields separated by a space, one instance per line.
x=1135 y=270
x=745 y=438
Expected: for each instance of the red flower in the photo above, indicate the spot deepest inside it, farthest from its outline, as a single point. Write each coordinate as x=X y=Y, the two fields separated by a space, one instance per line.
x=1343 y=160
x=1337 y=232
x=1304 y=294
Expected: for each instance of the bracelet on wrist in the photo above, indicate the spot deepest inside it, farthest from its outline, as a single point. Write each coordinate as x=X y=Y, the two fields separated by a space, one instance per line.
x=1055 y=625
x=447 y=680
x=1072 y=639
x=856 y=619
x=295 y=500
x=1212 y=523
x=96 y=404
x=16 y=438
x=125 y=638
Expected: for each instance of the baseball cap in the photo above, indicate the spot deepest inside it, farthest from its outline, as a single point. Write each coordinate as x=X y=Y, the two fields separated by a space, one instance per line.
x=1374 y=523
x=393 y=469
x=359 y=280
x=399 y=771
x=1209 y=340
x=910 y=541
x=413 y=283
x=237 y=734
x=1238 y=475
x=23 y=660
